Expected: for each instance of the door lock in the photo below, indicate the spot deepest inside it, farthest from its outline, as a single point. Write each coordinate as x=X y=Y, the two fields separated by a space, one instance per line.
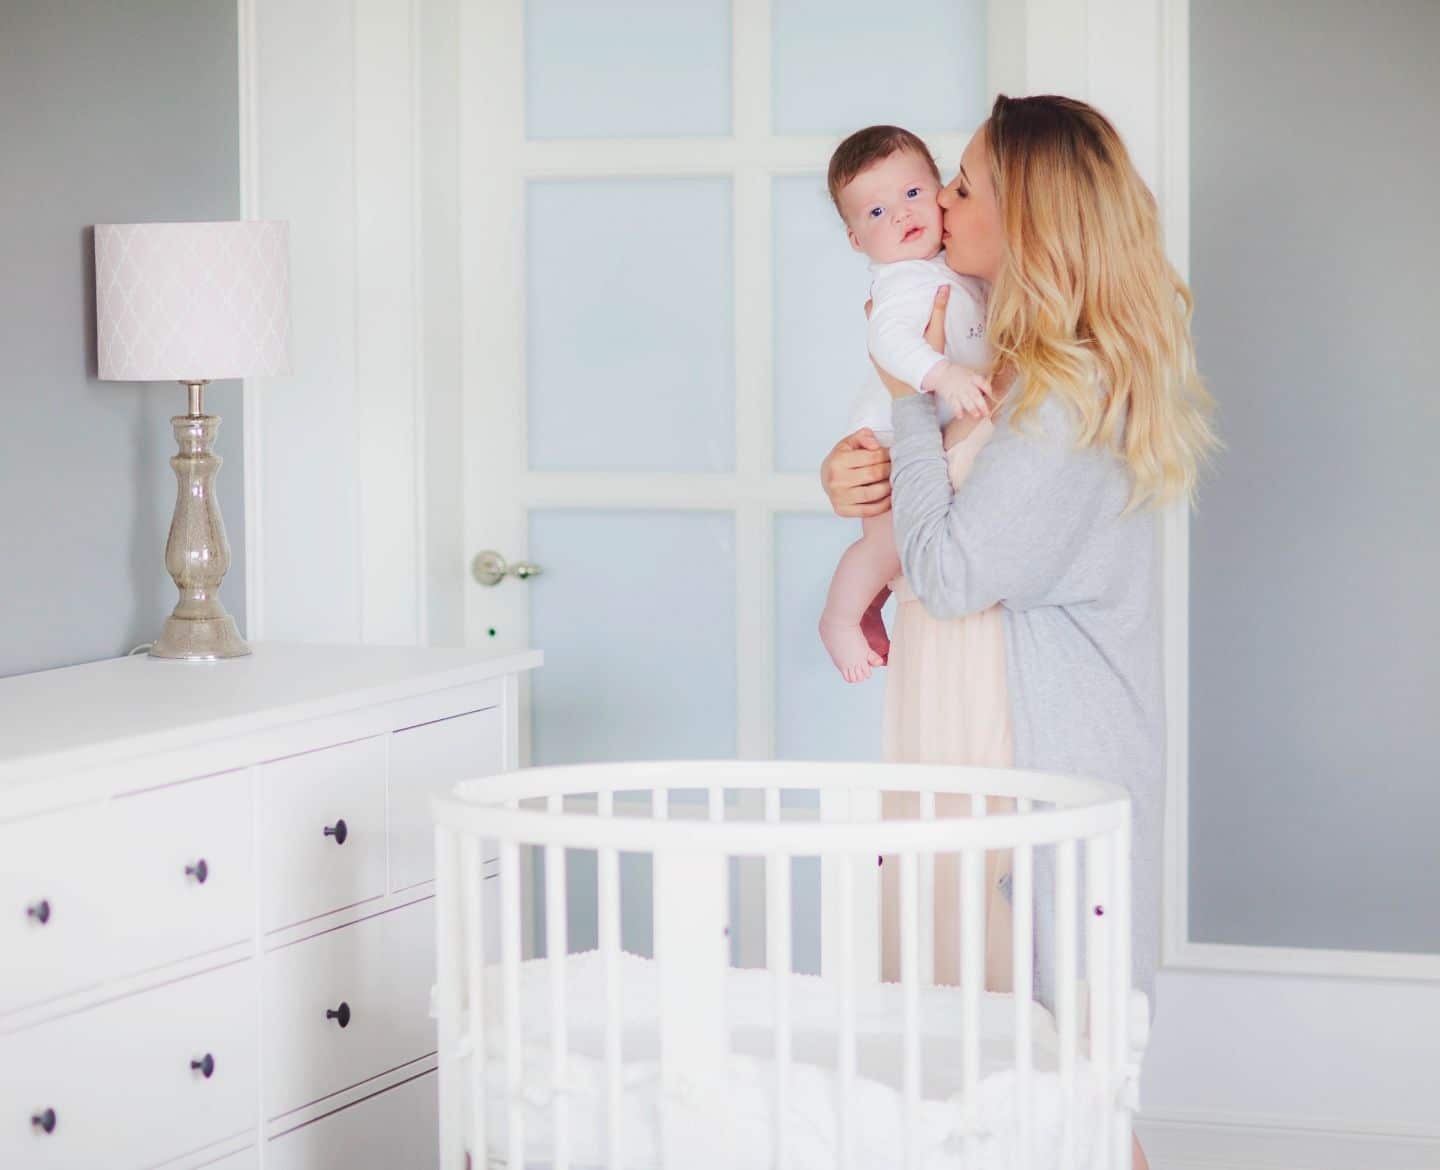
x=489 y=568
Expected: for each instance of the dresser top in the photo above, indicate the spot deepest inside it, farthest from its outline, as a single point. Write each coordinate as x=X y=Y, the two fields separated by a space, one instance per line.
x=79 y=716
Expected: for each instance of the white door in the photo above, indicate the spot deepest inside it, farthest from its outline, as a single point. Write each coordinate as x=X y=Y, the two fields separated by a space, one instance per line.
x=663 y=328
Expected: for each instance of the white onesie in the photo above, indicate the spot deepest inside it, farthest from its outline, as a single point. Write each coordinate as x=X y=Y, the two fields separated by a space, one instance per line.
x=902 y=295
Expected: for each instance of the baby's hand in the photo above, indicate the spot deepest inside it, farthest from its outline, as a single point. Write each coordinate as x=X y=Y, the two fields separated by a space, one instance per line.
x=960 y=388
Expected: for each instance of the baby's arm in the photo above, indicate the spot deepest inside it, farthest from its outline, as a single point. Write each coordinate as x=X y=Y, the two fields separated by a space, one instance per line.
x=960 y=388
x=903 y=297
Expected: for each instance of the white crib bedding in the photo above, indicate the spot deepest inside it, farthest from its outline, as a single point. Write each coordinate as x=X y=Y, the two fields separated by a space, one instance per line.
x=742 y=1134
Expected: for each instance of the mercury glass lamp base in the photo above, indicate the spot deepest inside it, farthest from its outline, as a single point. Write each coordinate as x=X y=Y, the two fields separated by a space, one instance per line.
x=200 y=639
x=197 y=554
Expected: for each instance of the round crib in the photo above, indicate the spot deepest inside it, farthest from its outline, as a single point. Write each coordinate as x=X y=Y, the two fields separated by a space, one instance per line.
x=711 y=1039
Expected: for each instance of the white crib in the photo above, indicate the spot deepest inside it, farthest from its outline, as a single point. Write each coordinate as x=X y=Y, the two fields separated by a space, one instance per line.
x=690 y=1059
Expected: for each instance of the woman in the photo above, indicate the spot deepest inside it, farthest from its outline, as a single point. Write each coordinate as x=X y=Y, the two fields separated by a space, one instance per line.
x=1101 y=420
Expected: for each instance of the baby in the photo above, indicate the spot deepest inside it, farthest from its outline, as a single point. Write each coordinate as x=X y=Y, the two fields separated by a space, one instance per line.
x=885 y=186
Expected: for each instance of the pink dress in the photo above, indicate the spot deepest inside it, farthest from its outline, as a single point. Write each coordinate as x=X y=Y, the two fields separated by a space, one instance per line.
x=946 y=703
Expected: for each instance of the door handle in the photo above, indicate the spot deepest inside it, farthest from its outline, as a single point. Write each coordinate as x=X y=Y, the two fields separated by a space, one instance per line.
x=489 y=568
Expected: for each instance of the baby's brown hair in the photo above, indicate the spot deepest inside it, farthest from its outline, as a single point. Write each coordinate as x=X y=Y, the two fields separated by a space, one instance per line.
x=864 y=149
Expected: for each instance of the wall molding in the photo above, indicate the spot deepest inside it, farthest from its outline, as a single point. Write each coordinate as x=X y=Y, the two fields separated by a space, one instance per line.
x=1178 y=950
x=1186 y=1140
x=251 y=428
x=346 y=171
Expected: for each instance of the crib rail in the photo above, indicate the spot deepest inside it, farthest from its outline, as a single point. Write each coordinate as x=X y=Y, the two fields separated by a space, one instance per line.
x=542 y=814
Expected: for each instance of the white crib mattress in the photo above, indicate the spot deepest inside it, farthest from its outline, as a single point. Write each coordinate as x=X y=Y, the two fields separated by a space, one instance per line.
x=742 y=1133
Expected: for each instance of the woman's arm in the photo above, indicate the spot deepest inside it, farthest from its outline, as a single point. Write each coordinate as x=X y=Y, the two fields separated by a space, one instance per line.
x=1013 y=528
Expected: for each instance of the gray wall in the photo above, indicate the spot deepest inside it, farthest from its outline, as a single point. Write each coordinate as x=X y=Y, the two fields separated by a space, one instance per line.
x=110 y=111
x=1315 y=635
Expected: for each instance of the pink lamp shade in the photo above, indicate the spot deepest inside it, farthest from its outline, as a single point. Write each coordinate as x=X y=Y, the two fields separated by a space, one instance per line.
x=192 y=302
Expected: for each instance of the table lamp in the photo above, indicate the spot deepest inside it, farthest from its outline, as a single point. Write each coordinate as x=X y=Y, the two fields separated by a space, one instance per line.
x=192 y=303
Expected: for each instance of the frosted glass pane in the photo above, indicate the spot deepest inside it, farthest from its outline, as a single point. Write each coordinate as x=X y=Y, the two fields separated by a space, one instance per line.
x=819 y=716
x=627 y=68
x=636 y=615
x=834 y=73
x=819 y=304
x=630 y=338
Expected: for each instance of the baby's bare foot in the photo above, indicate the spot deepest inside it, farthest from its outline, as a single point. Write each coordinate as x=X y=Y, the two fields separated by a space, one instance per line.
x=872 y=625
x=848 y=649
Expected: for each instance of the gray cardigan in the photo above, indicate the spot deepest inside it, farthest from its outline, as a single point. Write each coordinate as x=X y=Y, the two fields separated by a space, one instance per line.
x=1037 y=526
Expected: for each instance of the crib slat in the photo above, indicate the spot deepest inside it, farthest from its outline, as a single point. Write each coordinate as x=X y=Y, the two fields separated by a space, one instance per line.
x=777 y=950
x=927 y=898
x=846 y=1133
x=1097 y=978
x=1022 y=893
x=716 y=802
x=556 y=931
x=1065 y=1019
x=1120 y=987
x=449 y=985
x=910 y=984
x=972 y=984
x=692 y=959
x=510 y=965
x=473 y=932
x=608 y=913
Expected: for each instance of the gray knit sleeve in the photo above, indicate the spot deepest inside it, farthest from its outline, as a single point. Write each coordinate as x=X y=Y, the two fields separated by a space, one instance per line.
x=1015 y=525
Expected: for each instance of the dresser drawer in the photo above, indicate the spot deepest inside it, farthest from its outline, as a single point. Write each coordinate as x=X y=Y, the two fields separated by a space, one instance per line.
x=324 y=831
x=427 y=761
x=123 y=886
x=397 y=1129
x=115 y=1083
x=375 y=976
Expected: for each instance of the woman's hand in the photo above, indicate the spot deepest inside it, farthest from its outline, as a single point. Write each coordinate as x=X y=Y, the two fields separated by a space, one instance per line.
x=856 y=475
x=934 y=337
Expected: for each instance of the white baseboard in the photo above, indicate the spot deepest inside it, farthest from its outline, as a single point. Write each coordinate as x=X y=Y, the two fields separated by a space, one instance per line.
x=1177 y=1140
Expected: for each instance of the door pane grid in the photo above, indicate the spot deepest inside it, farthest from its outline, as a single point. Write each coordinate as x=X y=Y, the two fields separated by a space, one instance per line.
x=596 y=454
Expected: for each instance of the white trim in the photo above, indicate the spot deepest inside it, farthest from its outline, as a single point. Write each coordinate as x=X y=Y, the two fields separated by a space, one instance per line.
x=252 y=464
x=1261 y=960
x=1005 y=49
x=1178 y=950
x=784 y=492
x=774 y=155
x=388 y=337
x=752 y=289
x=1174 y=199
x=1197 y=1140
x=420 y=481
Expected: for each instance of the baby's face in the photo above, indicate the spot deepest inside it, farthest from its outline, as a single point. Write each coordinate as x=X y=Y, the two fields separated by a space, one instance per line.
x=891 y=209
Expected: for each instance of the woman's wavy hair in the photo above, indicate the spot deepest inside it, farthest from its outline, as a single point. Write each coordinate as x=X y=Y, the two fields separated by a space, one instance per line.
x=1085 y=303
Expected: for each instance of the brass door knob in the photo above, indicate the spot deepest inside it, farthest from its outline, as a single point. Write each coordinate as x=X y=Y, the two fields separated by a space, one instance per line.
x=489 y=568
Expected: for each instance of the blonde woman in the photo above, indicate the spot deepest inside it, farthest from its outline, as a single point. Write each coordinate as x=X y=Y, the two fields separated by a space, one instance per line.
x=1101 y=421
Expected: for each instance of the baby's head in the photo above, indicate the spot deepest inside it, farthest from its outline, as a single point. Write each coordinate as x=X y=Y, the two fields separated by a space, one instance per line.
x=885 y=186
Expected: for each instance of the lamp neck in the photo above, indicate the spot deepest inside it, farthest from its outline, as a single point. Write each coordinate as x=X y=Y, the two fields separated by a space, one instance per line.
x=197 y=396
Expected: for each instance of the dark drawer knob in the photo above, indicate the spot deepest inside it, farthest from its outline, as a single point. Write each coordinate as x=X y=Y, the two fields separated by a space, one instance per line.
x=338 y=831
x=199 y=871
x=40 y=911
x=44 y=1120
x=205 y=1066
x=341 y=1014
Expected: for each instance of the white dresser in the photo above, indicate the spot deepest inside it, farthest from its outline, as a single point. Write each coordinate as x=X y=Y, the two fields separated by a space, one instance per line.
x=216 y=892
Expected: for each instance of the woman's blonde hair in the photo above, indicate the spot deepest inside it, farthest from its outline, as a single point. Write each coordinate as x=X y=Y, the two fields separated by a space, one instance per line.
x=1085 y=304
